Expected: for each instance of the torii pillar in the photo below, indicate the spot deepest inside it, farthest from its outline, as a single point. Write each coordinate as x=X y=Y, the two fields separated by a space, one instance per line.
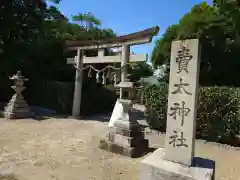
x=77 y=97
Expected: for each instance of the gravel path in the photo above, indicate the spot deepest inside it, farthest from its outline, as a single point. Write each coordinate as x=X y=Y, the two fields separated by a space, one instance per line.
x=65 y=149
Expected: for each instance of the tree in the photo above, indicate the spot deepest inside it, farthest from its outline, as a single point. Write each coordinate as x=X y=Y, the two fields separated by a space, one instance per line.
x=162 y=49
x=20 y=21
x=32 y=37
x=52 y=13
x=88 y=20
x=55 y=1
x=219 y=44
x=230 y=9
x=140 y=70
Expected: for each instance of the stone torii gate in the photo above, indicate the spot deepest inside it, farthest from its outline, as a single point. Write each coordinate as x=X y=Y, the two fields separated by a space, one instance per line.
x=124 y=42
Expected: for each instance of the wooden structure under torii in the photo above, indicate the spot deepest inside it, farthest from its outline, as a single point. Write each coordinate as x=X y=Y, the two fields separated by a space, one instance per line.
x=125 y=42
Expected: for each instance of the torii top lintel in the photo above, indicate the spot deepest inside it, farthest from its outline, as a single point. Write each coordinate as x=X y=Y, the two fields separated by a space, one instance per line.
x=140 y=37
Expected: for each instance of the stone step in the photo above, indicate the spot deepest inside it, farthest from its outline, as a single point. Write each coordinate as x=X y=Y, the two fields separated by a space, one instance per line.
x=132 y=152
x=124 y=140
x=18 y=115
x=133 y=132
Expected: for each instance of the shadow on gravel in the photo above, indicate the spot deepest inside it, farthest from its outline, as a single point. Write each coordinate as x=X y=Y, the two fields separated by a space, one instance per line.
x=100 y=117
x=205 y=163
x=136 y=114
x=149 y=150
x=39 y=113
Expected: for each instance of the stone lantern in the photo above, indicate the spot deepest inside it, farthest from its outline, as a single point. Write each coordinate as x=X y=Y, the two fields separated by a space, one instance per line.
x=127 y=88
x=126 y=136
x=17 y=108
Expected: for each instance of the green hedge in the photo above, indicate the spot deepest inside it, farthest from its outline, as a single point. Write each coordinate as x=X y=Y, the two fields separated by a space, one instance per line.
x=58 y=96
x=218 y=117
x=54 y=95
x=5 y=90
x=98 y=99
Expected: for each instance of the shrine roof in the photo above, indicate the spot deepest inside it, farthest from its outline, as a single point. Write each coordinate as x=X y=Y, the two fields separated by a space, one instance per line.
x=140 y=37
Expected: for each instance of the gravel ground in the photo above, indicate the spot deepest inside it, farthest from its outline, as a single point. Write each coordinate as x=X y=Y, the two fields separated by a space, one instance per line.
x=66 y=149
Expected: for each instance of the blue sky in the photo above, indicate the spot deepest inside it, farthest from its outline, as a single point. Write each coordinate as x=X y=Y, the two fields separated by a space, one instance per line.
x=128 y=16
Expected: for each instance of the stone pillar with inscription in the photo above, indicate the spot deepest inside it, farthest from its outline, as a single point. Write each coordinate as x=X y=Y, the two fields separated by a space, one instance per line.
x=177 y=160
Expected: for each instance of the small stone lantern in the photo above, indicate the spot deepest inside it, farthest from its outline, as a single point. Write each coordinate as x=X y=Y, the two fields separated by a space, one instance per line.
x=17 y=108
x=127 y=87
x=125 y=134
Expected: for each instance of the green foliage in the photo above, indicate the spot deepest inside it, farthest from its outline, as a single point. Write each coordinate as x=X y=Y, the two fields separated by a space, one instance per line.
x=53 y=13
x=162 y=49
x=155 y=100
x=194 y=23
x=55 y=1
x=217 y=112
x=5 y=90
x=217 y=28
x=231 y=10
x=98 y=99
x=50 y=94
x=139 y=70
x=20 y=21
x=32 y=38
x=87 y=19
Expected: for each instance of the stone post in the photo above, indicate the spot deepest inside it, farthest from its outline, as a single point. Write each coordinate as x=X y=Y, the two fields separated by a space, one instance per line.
x=177 y=160
x=182 y=100
x=125 y=60
x=78 y=85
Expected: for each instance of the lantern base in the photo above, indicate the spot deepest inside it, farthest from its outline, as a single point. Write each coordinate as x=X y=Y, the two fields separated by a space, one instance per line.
x=17 y=108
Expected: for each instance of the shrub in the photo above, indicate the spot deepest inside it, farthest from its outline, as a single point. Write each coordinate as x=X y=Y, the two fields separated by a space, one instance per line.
x=217 y=112
x=58 y=96
x=5 y=90
x=97 y=99
x=217 y=117
x=54 y=95
x=155 y=100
